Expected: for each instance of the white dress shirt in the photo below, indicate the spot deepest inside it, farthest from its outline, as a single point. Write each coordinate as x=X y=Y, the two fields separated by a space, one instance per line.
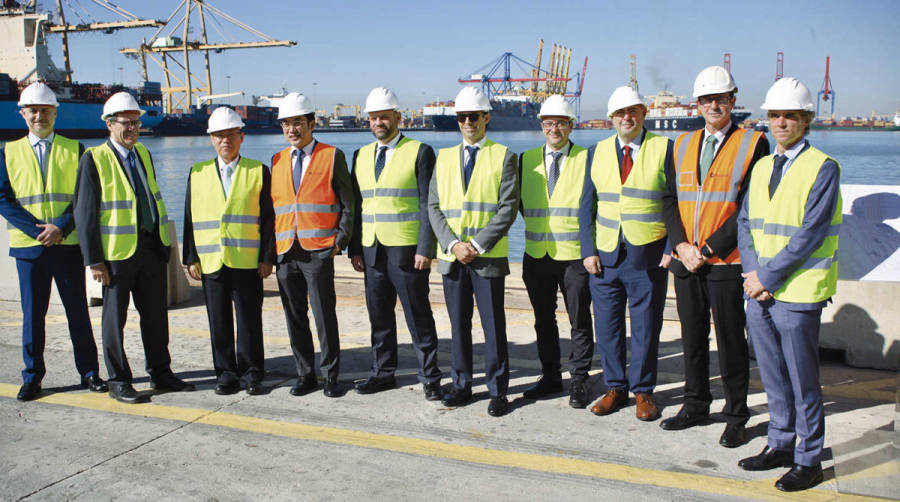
x=307 y=155
x=223 y=173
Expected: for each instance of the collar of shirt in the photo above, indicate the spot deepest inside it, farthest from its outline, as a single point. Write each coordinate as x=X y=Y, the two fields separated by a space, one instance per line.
x=33 y=138
x=123 y=152
x=224 y=165
x=548 y=151
x=479 y=144
x=635 y=144
x=792 y=153
x=308 y=150
x=390 y=144
x=720 y=138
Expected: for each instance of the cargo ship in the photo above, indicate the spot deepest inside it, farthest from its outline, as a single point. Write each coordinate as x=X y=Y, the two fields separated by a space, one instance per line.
x=25 y=58
x=667 y=113
x=510 y=112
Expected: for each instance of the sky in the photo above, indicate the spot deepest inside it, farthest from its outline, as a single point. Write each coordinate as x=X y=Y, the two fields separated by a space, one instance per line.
x=419 y=49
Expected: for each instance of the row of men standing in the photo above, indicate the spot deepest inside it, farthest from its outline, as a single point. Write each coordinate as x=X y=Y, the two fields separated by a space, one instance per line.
x=596 y=225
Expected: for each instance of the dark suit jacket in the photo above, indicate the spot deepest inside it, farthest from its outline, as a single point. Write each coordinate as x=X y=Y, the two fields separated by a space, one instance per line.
x=497 y=227
x=87 y=215
x=18 y=217
x=266 y=222
x=398 y=255
x=724 y=240
x=643 y=257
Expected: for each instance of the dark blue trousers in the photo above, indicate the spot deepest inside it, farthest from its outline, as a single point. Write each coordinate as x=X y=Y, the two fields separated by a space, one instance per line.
x=385 y=282
x=459 y=287
x=644 y=291
x=63 y=265
x=786 y=343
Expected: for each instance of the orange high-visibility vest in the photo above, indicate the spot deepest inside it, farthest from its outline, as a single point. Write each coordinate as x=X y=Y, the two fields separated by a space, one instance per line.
x=311 y=215
x=704 y=208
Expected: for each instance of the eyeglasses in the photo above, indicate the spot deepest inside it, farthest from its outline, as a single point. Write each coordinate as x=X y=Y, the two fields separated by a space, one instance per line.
x=225 y=134
x=721 y=100
x=128 y=123
x=471 y=117
x=297 y=124
x=560 y=124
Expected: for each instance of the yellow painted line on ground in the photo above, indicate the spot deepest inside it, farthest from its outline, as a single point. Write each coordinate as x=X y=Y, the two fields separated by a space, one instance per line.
x=760 y=489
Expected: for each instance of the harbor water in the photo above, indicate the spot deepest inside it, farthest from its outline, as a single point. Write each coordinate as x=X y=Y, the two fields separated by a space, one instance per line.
x=866 y=158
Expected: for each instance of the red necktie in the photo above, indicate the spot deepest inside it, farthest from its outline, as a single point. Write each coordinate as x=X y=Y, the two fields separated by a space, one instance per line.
x=626 y=163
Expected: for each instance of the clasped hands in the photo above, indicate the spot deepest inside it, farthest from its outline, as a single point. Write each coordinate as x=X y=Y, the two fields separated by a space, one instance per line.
x=755 y=289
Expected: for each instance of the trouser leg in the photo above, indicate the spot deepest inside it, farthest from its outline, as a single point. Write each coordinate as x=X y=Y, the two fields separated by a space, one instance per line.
x=489 y=293
x=726 y=298
x=116 y=297
x=319 y=273
x=381 y=301
x=608 y=296
x=293 y=291
x=577 y=295
x=149 y=294
x=412 y=288
x=34 y=292
x=692 y=300
x=460 y=306
x=646 y=291
x=540 y=277
x=217 y=292
x=247 y=294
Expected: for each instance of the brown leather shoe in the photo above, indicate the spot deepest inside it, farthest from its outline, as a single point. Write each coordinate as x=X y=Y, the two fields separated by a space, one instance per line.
x=644 y=408
x=610 y=402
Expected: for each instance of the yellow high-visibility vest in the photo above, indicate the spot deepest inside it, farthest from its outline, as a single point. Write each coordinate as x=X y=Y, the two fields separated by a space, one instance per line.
x=390 y=205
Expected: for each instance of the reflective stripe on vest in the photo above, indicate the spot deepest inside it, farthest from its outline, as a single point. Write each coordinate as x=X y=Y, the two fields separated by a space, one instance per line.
x=390 y=205
x=636 y=206
x=44 y=201
x=312 y=214
x=704 y=209
x=551 y=223
x=226 y=230
x=470 y=211
x=773 y=222
x=118 y=205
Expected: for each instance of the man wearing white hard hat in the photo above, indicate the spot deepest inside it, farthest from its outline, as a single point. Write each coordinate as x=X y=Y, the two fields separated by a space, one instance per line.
x=313 y=199
x=37 y=183
x=394 y=245
x=472 y=202
x=552 y=179
x=124 y=236
x=788 y=238
x=712 y=166
x=623 y=240
x=229 y=245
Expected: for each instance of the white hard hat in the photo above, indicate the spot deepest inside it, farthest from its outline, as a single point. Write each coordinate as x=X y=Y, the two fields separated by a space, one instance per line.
x=788 y=94
x=623 y=97
x=471 y=99
x=222 y=119
x=713 y=80
x=120 y=102
x=556 y=105
x=294 y=105
x=381 y=98
x=38 y=93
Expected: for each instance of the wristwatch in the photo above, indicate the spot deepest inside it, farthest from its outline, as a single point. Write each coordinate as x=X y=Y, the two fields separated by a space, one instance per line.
x=706 y=251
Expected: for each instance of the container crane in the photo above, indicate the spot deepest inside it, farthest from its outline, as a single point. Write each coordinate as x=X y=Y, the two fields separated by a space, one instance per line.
x=726 y=63
x=826 y=93
x=161 y=50
x=632 y=79
x=779 y=66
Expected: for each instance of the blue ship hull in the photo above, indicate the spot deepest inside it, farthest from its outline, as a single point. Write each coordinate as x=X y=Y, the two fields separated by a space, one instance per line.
x=73 y=120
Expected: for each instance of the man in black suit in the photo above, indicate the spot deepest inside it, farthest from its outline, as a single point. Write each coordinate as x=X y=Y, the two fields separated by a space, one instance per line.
x=394 y=245
x=700 y=206
x=124 y=237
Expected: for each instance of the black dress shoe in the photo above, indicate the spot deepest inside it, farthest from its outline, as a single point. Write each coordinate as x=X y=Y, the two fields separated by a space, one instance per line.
x=125 y=393
x=800 y=477
x=683 y=420
x=28 y=391
x=95 y=383
x=228 y=388
x=433 y=391
x=170 y=382
x=332 y=388
x=768 y=459
x=372 y=385
x=498 y=406
x=255 y=388
x=543 y=387
x=304 y=385
x=578 y=396
x=733 y=436
x=457 y=397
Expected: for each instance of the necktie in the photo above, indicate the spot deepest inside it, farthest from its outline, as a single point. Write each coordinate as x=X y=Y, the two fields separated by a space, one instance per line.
x=553 y=174
x=379 y=162
x=140 y=191
x=470 y=164
x=226 y=182
x=627 y=163
x=298 y=169
x=709 y=151
x=776 y=174
x=42 y=157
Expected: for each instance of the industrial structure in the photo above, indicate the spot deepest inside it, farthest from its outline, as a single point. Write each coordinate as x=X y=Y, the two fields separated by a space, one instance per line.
x=826 y=93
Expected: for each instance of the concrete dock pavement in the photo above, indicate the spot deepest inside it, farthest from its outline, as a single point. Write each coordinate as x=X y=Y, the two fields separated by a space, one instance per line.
x=394 y=445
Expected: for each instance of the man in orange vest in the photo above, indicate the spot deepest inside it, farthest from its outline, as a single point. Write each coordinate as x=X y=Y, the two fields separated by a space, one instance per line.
x=313 y=199
x=700 y=211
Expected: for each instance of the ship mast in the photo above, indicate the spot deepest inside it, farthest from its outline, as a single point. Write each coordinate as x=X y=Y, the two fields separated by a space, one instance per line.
x=161 y=50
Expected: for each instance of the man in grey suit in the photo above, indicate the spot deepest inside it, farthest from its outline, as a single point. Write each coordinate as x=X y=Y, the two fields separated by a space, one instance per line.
x=472 y=201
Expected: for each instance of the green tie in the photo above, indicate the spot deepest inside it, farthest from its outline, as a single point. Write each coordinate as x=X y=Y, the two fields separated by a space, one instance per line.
x=708 y=153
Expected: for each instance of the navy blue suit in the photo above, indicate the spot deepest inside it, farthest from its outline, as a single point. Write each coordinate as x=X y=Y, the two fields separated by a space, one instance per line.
x=630 y=274
x=37 y=267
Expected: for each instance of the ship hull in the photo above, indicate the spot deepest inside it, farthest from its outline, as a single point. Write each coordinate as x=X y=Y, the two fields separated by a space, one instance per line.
x=73 y=120
x=686 y=123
